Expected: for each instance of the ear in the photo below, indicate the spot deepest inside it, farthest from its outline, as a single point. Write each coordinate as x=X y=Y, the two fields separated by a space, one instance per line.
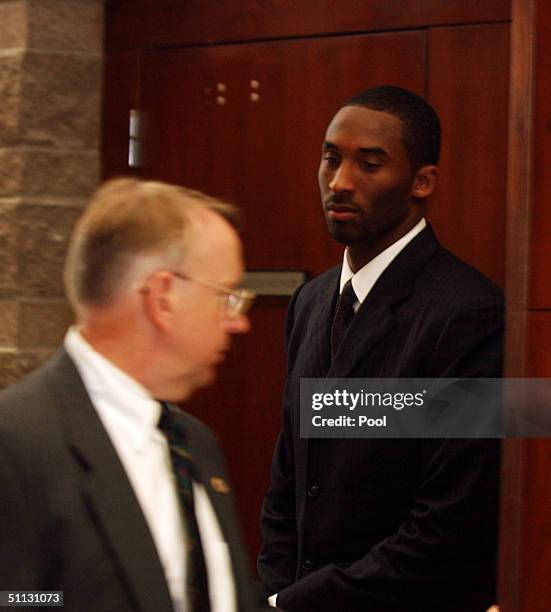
x=158 y=299
x=424 y=181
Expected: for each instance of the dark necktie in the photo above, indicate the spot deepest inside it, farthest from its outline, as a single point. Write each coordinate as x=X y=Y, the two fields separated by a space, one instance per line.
x=184 y=469
x=344 y=313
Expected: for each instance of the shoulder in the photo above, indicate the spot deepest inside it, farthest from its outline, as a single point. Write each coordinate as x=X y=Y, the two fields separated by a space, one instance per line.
x=323 y=285
x=204 y=445
x=26 y=399
x=192 y=424
x=449 y=279
x=432 y=270
x=311 y=297
x=32 y=430
x=329 y=277
x=199 y=434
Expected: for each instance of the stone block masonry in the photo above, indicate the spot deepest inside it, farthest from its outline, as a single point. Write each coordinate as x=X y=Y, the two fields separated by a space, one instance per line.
x=50 y=92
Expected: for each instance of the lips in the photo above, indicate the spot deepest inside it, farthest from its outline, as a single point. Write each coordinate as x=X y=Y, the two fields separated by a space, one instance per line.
x=341 y=212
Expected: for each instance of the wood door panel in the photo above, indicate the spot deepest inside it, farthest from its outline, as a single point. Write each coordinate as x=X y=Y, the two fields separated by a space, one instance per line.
x=134 y=23
x=533 y=557
x=540 y=277
x=120 y=94
x=536 y=552
x=469 y=207
x=525 y=555
x=539 y=341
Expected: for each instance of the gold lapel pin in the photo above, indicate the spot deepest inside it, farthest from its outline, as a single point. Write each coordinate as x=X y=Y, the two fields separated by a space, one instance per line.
x=219 y=485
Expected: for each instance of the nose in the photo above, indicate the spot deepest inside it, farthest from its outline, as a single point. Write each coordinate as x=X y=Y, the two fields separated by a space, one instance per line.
x=342 y=180
x=237 y=325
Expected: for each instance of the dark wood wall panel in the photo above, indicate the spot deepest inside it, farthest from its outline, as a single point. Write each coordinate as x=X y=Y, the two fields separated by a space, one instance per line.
x=519 y=189
x=138 y=23
x=534 y=555
x=539 y=341
x=469 y=207
x=120 y=94
x=540 y=281
x=525 y=556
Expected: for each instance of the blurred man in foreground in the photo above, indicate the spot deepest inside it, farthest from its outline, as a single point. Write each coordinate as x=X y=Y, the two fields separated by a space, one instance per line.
x=110 y=494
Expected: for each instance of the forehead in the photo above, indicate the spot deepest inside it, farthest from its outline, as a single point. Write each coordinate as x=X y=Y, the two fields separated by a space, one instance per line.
x=215 y=249
x=359 y=127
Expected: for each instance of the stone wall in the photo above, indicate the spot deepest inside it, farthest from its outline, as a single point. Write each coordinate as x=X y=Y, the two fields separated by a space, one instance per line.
x=50 y=90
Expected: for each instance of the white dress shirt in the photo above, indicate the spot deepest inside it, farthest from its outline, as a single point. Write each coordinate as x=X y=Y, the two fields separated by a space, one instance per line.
x=130 y=416
x=365 y=278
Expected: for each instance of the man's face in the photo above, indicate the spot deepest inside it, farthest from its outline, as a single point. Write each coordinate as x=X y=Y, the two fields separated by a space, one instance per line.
x=366 y=180
x=200 y=335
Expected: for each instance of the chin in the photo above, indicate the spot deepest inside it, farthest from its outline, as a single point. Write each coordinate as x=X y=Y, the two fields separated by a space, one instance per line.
x=341 y=233
x=204 y=379
x=190 y=384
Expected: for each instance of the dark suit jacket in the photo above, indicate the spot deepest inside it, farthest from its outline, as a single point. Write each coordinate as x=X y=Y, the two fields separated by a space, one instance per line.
x=383 y=524
x=69 y=519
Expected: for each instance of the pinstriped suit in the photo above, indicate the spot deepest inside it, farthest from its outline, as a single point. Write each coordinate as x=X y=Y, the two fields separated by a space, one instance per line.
x=387 y=525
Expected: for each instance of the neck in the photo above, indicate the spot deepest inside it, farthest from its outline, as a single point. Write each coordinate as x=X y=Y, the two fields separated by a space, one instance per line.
x=358 y=255
x=113 y=332
x=137 y=354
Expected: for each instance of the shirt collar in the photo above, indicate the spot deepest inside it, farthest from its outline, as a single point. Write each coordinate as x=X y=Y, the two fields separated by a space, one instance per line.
x=366 y=277
x=115 y=395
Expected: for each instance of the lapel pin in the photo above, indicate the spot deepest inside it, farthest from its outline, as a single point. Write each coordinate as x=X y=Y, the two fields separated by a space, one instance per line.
x=219 y=485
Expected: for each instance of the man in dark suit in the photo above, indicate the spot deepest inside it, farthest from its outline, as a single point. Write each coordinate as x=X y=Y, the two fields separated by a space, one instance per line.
x=384 y=524
x=102 y=498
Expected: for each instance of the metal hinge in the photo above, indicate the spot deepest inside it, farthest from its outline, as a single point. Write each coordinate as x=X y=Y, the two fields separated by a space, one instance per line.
x=135 y=139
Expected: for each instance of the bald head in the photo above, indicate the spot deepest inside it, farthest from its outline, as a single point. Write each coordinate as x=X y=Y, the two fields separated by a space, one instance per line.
x=150 y=271
x=130 y=228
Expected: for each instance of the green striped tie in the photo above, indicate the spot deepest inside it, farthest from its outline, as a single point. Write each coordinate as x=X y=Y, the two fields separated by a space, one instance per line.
x=184 y=469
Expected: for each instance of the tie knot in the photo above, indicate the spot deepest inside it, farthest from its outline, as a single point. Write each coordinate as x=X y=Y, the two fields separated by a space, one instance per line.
x=165 y=418
x=175 y=434
x=347 y=293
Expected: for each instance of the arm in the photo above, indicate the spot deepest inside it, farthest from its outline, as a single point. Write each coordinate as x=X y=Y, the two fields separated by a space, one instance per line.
x=444 y=548
x=471 y=343
x=277 y=561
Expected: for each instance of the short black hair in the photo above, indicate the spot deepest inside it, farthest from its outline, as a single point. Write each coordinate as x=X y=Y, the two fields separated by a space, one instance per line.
x=420 y=123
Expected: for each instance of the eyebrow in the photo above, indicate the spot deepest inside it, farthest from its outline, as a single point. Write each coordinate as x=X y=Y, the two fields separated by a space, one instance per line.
x=373 y=150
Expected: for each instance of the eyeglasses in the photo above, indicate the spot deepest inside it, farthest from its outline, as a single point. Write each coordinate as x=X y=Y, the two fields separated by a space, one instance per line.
x=237 y=302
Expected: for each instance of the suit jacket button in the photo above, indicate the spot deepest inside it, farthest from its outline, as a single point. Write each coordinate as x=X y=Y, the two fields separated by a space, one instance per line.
x=313 y=490
x=307 y=563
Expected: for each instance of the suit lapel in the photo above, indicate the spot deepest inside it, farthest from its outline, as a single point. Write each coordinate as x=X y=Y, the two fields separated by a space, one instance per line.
x=108 y=493
x=318 y=336
x=375 y=318
x=370 y=325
